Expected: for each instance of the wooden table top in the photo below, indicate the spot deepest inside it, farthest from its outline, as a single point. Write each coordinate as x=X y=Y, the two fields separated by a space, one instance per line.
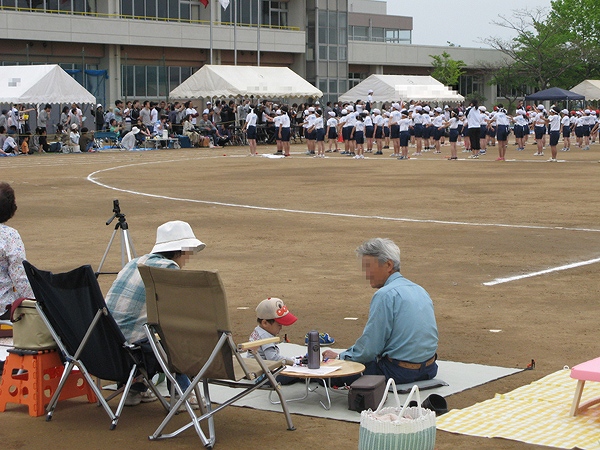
x=346 y=368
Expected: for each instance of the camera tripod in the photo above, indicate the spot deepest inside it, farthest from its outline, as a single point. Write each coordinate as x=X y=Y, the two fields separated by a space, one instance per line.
x=127 y=249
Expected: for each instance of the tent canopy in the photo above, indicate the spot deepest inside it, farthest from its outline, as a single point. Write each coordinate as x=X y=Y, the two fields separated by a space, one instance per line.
x=240 y=81
x=588 y=88
x=402 y=87
x=41 y=84
x=554 y=94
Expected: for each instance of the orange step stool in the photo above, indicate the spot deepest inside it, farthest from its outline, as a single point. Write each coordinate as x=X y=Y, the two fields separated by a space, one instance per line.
x=31 y=377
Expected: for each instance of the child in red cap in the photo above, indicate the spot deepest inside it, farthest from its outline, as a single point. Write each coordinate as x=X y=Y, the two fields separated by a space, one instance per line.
x=271 y=315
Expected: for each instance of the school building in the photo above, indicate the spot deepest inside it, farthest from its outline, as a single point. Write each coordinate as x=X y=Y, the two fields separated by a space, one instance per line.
x=142 y=49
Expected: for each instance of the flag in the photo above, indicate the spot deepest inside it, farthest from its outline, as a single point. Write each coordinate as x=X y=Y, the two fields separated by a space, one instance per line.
x=204 y=2
x=224 y=3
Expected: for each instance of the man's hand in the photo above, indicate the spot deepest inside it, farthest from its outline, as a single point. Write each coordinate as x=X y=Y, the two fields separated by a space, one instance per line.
x=329 y=354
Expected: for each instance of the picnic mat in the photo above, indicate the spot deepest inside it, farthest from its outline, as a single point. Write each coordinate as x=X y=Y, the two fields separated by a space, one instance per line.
x=537 y=413
x=458 y=376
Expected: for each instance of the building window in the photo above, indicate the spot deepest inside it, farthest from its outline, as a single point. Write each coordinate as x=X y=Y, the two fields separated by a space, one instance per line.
x=66 y=6
x=152 y=81
x=332 y=37
x=273 y=14
x=354 y=78
x=378 y=34
x=468 y=84
x=359 y=33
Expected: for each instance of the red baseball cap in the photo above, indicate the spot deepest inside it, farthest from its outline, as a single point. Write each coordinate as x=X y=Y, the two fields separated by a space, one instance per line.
x=274 y=308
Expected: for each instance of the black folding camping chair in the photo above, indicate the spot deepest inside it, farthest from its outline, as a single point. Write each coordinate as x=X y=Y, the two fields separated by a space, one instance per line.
x=72 y=306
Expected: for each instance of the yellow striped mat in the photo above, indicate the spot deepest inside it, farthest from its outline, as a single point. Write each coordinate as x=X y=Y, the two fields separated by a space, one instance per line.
x=537 y=413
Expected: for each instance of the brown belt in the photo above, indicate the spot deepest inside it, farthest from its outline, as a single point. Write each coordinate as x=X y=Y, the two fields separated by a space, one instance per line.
x=413 y=366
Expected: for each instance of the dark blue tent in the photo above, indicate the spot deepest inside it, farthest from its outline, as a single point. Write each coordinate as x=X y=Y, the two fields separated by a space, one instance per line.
x=554 y=94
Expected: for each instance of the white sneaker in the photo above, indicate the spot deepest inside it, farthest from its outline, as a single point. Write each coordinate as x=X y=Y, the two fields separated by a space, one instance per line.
x=538 y=154
x=193 y=401
x=552 y=160
x=134 y=398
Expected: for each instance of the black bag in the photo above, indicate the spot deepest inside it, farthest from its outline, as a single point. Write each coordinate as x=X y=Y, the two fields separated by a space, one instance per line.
x=366 y=392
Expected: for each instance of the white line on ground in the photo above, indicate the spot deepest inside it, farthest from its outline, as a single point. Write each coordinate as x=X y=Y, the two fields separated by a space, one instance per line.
x=91 y=178
x=541 y=272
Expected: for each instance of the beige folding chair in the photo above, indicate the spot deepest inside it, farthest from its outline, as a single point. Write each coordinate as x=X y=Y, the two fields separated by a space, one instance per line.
x=188 y=328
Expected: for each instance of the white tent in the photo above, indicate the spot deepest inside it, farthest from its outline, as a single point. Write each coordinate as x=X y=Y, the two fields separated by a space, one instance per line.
x=388 y=88
x=40 y=84
x=239 y=81
x=590 y=89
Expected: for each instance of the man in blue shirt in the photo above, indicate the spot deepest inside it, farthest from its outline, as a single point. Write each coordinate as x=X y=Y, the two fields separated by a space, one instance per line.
x=400 y=338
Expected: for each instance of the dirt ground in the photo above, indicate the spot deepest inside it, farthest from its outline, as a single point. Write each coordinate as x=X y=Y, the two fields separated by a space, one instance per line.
x=289 y=227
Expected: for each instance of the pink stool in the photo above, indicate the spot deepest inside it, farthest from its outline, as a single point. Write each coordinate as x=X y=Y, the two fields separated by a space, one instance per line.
x=587 y=371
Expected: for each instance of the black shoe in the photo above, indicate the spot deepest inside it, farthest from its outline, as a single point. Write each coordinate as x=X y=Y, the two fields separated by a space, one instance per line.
x=436 y=403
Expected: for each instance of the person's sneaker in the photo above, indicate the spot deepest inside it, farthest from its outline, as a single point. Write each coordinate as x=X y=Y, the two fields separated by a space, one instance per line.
x=538 y=154
x=193 y=401
x=134 y=398
x=400 y=157
x=473 y=156
x=148 y=396
x=379 y=153
x=552 y=160
x=482 y=151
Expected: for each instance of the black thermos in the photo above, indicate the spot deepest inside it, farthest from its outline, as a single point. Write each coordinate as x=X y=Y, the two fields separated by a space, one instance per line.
x=314 y=350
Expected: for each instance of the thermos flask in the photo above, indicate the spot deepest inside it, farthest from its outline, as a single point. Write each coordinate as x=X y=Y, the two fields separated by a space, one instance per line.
x=314 y=350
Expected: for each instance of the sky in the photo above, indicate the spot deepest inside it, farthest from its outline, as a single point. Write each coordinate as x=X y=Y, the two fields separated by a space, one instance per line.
x=463 y=23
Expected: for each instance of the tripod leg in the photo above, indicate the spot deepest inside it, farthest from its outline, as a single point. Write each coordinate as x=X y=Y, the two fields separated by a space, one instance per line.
x=126 y=238
x=112 y=238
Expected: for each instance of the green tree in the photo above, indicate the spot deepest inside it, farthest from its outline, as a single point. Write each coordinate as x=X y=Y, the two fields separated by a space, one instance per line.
x=579 y=20
x=510 y=80
x=545 y=49
x=447 y=70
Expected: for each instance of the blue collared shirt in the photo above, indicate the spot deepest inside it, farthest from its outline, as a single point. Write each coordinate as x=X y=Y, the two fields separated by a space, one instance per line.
x=401 y=325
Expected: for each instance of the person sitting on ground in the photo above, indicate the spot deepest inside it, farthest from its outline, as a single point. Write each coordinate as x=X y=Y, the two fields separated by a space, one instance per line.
x=126 y=298
x=86 y=140
x=10 y=146
x=25 y=145
x=272 y=315
x=400 y=338
x=129 y=141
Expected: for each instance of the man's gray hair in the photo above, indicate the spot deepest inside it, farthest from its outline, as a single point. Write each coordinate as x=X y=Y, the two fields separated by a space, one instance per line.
x=383 y=249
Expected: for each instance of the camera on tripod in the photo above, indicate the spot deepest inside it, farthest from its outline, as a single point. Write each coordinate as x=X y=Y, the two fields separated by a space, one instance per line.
x=127 y=250
x=116 y=213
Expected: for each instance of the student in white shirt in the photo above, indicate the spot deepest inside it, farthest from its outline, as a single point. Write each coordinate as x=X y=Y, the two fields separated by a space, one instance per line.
x=358 y=135
x=565 y=128
x=555 y=124
x=250 y=129
x=331 y=132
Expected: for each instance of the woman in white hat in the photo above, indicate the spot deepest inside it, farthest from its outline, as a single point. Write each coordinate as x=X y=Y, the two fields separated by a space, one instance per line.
x=74 y=139
x=129 y=140
x=126 y=299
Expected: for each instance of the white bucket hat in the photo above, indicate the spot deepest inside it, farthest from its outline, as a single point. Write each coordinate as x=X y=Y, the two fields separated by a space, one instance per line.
x=135 y=130
x=176 y=236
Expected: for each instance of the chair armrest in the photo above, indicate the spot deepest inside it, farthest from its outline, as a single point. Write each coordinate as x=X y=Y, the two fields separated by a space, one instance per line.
x=260 y=342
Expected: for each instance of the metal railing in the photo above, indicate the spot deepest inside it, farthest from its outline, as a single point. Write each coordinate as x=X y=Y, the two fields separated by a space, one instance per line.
x=146 y=18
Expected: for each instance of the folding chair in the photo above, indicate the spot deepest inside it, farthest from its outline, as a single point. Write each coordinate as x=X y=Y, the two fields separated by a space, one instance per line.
x=188 y=328
x=72 y=307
